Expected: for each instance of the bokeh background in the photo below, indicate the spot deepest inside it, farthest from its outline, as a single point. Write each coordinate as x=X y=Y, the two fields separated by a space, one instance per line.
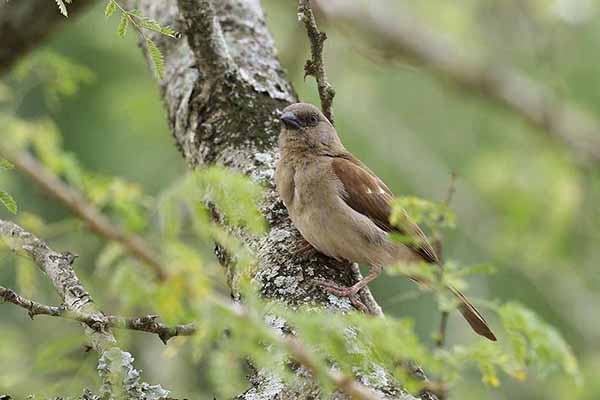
x=523 y=203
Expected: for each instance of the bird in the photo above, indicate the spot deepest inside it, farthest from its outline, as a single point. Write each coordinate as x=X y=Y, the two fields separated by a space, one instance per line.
x=342 y=209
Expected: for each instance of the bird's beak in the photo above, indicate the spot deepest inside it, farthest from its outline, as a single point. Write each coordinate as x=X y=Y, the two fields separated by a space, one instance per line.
x=289 y=120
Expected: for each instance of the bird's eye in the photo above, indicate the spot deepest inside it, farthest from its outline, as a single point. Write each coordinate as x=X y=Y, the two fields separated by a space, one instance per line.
x=314 y=120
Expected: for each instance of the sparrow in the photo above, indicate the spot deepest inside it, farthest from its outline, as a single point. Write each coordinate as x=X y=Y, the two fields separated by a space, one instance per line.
x=342 y=209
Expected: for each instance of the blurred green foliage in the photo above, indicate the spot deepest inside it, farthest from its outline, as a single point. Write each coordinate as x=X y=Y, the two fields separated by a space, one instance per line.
x=5 y=198
x=89 y=109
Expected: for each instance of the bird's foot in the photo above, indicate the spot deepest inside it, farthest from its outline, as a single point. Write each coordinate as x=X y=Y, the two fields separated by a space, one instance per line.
x=351 y=293
x=337 y=290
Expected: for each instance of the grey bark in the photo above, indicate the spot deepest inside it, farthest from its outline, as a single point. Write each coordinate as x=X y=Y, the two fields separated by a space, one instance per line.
x=24 y=24
x=223 y=90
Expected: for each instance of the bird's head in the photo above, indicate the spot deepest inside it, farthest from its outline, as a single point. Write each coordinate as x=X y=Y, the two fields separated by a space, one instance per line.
x=304 y=126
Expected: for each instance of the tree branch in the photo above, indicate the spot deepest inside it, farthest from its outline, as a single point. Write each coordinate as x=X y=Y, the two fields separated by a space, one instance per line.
x=76 y=203
x=58 y=268
x=33 y=308
x=150 y=324
x=404 y=35
x=316 y=66
x=99 y=322
x=24 y=24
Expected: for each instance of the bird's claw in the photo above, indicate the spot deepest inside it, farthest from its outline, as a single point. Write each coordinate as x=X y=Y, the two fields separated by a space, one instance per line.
x=334 y=289
x=350 y=293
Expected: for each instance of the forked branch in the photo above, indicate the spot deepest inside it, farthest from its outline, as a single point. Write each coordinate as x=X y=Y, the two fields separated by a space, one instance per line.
x=315 y=66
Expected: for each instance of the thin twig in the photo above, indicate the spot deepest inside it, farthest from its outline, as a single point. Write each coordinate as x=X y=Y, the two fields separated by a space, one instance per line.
x=402 y=34
x=315 y=66
x=437 y=243
x=441 y=339
x=99 y=322
x=94 y=219
x=33 y=308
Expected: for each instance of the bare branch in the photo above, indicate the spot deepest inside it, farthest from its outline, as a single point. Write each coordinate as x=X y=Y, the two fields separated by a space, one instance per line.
x=316 y=66
x=99 y=322
x=58 y=268
x=404 y=35
x=94 y=219
x=33 y=308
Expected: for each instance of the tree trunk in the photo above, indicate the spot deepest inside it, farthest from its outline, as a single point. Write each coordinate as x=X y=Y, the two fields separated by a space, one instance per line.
x=224 y=89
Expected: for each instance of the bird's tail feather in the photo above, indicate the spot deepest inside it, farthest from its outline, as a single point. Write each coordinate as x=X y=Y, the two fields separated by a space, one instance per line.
x=473 y=317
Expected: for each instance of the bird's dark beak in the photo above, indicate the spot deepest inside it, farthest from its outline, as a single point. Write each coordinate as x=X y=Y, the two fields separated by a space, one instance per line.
x=289 y=120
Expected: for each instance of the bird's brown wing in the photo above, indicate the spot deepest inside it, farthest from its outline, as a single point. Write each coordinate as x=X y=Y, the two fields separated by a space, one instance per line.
x=367 y=194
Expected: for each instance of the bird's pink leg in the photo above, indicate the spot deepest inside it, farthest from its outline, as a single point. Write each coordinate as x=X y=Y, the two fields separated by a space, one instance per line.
x=349 y=292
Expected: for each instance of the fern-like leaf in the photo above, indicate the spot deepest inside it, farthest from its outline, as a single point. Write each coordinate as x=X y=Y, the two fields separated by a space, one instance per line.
x=123 y=25
x=157 y=57
x=111 y=7
x=62 y=7
x=5 y=165
x=8 y=202
x=152 y=25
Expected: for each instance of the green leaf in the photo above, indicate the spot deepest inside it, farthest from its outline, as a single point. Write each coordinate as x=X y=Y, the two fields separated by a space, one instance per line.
x=536 y=343
x=420 y=211
x=110 y=8
x=5 y=165
x=8 y=201
x=150 y=24
x=236 y=196
x=62 y=7
x=157 y=58
x=123 y=25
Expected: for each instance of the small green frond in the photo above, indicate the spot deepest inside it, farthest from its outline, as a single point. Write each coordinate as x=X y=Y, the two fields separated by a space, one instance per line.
x=236 y=197
x=152 y=25
x=111 y=7
x=5 y=165
x=8 y=201
x=424 y=212
x=122 y=30
x=536 y=343
x=157 y=58
x=62 y=7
